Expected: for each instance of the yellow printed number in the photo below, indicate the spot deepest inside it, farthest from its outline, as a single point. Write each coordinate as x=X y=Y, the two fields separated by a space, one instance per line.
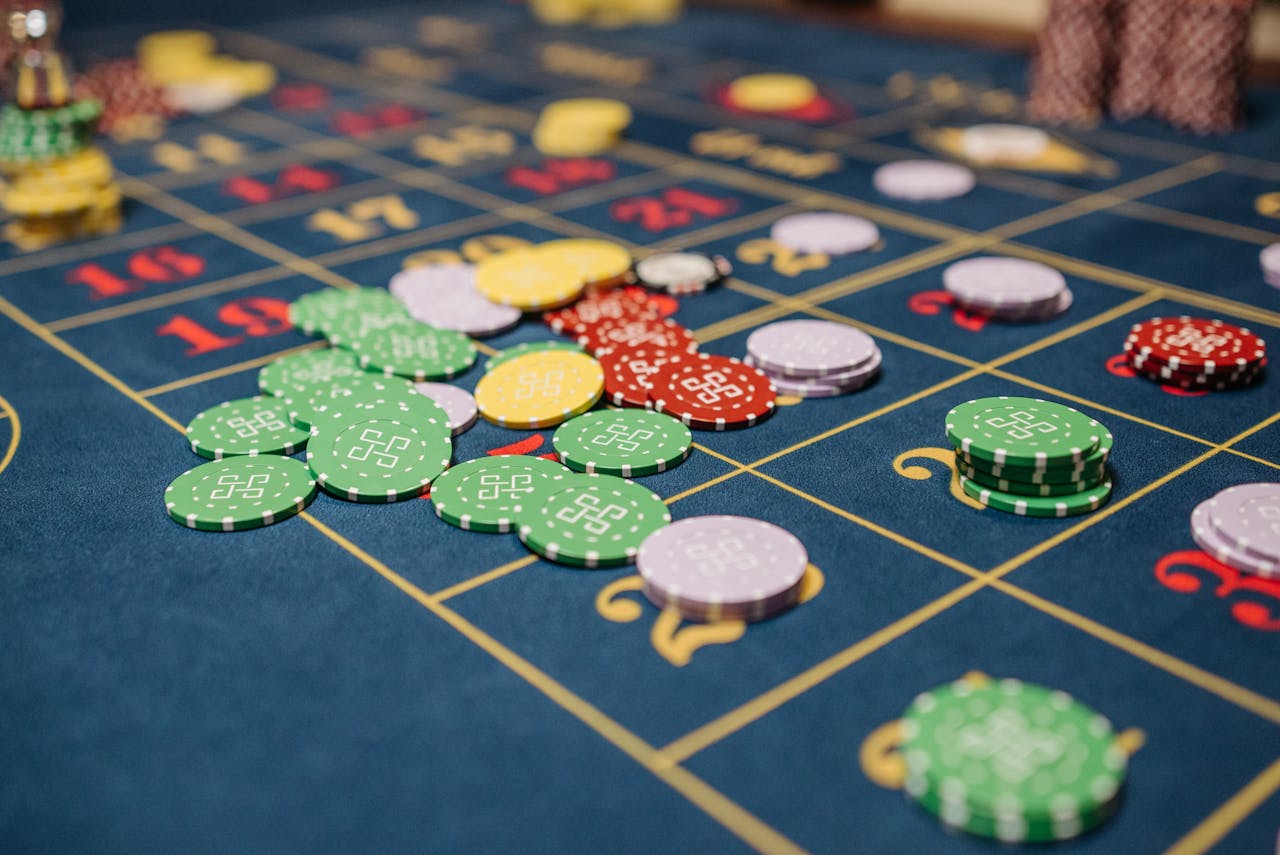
x=473 y=251
x=208 y=147
x=786 y=261
x=359 y=220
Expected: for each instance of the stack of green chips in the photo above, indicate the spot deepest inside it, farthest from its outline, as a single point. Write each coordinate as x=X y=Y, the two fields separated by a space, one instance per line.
x=1031 y=457
x=30 y=136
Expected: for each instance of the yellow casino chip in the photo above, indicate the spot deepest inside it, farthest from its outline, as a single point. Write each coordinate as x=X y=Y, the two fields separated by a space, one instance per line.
x=597 y=261
x=529 y=280
x=772 y=93
x=556 y=143
x=540 y=389
x=604 y=114
x=39 y=200
x=87 y=166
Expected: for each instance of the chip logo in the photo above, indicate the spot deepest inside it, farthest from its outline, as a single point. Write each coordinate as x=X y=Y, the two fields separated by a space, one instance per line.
x=236 y=486
x=382 y=449
x=1020 y=425
x=594 y=516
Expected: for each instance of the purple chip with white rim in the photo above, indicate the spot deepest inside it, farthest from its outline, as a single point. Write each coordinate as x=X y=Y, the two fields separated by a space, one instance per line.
x=825 y=232
x=445 y=296
x=1211 y=541
x=997 y=282
x=717 y=565
x=1248 y=516
x=923 y=180
x=457 y=404
x=828 y=386
x=810 y=348
x=1039 y=312
x=1270 y=260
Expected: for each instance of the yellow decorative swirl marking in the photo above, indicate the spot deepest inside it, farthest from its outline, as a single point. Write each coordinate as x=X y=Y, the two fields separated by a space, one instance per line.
x=786 y=260
x=1268 y=204
x=7 y=409
x=618 y=610
x=879 y=757
x=944 y=456
x=788 y=400
x=1130 y=740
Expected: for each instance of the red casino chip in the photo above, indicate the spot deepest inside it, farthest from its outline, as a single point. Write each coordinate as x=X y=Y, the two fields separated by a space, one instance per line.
x=1196 y=345
x=634 y=333
x=603 y=306
x=710 y=392
x=627 y=373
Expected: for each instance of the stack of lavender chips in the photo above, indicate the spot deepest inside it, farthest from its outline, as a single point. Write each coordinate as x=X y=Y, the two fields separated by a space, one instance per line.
x=1007 y=289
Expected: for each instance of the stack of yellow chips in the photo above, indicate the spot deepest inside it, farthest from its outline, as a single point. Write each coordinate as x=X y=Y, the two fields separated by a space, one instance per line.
x=606 y=13
x=194 y=77
x=771 y=93
x=580 y=127
x=61 y=199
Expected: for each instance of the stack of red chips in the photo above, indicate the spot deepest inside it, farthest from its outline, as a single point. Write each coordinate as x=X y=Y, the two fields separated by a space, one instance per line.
x=1196 y=353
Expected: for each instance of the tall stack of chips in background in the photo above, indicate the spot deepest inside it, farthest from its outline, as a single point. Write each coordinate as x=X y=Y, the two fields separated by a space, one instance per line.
x=1030 y=457
x=814 y=359
x=1072 y=55
x=1196 y=353
x=1207 y=58
x=1008 y=289
x=194 y=77
x=1240 y=526
x=1142 y=32
x=60 y=186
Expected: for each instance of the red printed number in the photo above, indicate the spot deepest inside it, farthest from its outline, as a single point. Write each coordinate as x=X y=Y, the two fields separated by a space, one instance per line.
x=676 y=207
x=160 y=264
x=555 y=176
x=254 y=317
x=292 y=180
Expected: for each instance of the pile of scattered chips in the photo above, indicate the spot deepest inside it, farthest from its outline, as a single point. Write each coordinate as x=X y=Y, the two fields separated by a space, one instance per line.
x=1196 y=353
x=923 y=180
x=196 y=79
x=1240 y=527
x=814 y=359
x=771 y=93
x=580 y=127
x=825 y=233
x=1030 y=457
x=1008 y=289
x=1270 y=259
x=1011 y=760
x=608 y=14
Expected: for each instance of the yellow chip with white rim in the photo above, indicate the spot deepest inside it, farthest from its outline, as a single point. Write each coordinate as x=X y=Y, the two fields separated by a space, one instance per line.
x=606 y=114
x=540 y=389
x=529 y=280
x=596 y=260
x=772 y=93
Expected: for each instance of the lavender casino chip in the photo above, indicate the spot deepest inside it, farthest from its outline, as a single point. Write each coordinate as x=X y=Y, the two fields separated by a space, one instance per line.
x=997 y=282
x=1208 y=539
x=1248 y=516
x=923 y=180
x=810 y=348
x=445 y=296
x=1270 y=260
x=826 y=232
x=722 y=566
x=458 y=405
x=828 y=386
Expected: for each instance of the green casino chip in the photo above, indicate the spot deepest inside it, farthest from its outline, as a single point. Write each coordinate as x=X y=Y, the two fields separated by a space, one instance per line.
x=529 y=347
x=1018 y=754
x=239 y=493
x=1083 y=502
x=301 y=375
x=486 y=494
x=313 y=313
x=627 y=443
x=364 y=319
x=247 y=426
x=416 y=351
x=596 y=521
x=304 y=412
x=1091 y=468
x=384 y=397
x=1023 y=432
x=1022 y=488
x=381 y=459
x=1015 y=829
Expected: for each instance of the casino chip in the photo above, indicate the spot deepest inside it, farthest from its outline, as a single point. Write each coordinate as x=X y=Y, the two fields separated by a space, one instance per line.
x=445 y=296
x=1240 y=526
x=627 y=373
x=1011 y=760
x=458 y=404
x=305 y=410
x=923 y=180
x=529 y=347
x=301 y=375
x=636 y=333
x=1025 y=488
x=239 y=493
x=1011 y=288
x=381 y=459
x=681 y=273
x=626 y=443
x=1083 y=502
x=1270 y=260
x=416 y=351
x=810 y=348
x=486 y=494
x=248 y=426
x=594 y=521
x=722 y=568
x=825 y=232
x=997 y=143
x=596 y=308
x=580 y=127
x=1024 y=432
x=528 y=280
x=598 y=262
x=313 y=313
x=709 y=392
x=771 y=93
x=391 y=401
x=1196 y=345
x=540 y=389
